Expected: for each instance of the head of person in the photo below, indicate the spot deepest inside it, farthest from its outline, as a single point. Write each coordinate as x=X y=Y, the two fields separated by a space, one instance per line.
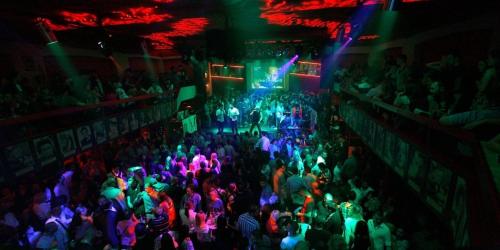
x=328 y=200
x=377 y=218
x=200 y=219
x=190 y=190
x=292 y=228
x=214 y=195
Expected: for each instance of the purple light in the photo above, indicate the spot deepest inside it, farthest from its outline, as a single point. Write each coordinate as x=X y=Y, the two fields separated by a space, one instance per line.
x=283 y=69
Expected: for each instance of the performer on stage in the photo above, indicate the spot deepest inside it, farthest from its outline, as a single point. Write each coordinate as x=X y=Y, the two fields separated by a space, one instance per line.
x=219 y=114
x=256 y=118
x=233 y=114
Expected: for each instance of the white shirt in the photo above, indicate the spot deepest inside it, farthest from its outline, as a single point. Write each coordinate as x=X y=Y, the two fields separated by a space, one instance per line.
x=380 y=235
x=188 y=221
x=350 y=226
x=233 y=114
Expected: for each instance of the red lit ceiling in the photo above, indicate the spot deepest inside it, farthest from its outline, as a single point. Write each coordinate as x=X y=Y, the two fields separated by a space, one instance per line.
x=182 y=28
x=279 y=12
x=162 y=21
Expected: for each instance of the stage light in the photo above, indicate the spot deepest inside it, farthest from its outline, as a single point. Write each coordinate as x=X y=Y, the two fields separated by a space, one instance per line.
x=104 y=48
x=46 y=32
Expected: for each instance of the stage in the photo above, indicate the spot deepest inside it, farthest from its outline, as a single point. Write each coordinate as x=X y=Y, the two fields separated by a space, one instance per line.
x=271 y=131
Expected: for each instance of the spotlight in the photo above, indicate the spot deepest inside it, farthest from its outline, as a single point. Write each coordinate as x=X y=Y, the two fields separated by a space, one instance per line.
x=46 y=32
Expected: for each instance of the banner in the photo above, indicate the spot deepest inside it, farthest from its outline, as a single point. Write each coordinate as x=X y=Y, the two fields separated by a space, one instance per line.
x=84 y=137
x=123 y=124
x=437 y=186
x=133 y=121
x=189 y=124
x=113 y=128
x=45 y=150
x=458 y=217
x=19 y=158
x=67 y=143
x=100 y=134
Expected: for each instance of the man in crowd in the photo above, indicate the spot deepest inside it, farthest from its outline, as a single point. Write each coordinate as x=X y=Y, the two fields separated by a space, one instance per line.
x=233 y=114
x=219 y=114
x=256 y=118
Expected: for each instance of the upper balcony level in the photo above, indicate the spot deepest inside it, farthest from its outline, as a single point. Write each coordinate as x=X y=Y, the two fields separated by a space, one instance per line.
x=454 y=171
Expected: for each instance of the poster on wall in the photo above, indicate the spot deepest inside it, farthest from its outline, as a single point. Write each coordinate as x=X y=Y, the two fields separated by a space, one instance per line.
x=67 y=143
x=157 y=113
x=123 y=124
x=45 y=150
x=19 y=158
x=113 y=128
x=141 y=116
x=84 y=137
x=163 y=111
x=100 y=134
x=416 y=169
x=380 y=138
x=189 y=124
x=437 y=185
x=402 y=150
x=133 y=121
x=148 y=116
x=391 y=143
x=458 y=217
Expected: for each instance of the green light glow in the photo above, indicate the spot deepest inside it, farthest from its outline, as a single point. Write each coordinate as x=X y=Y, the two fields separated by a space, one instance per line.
x=387 y=19
x=63 y=60
x=149 y=65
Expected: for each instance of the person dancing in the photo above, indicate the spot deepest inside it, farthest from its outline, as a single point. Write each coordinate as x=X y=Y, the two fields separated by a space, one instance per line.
x=220 y=115
x=233 y=113
x=256 y=118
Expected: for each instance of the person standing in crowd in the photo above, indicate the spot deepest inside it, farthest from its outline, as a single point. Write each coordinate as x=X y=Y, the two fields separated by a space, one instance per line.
x=256 y=118
x=220 y=116
x=233 y=114
x=247 y=223
x=380 y=234
x=263 y=143
x=289 y=242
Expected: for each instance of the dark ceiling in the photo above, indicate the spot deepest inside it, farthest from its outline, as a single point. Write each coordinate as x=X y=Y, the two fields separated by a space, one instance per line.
x=166 y=23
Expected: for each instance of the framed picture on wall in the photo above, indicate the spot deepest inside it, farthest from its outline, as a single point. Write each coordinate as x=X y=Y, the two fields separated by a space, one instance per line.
x=141 y=115
x=45 y=150
x=113 y=128
x=380 y=140
x=417 y=169
x=163 y=111
x=390 y=148
x=148 y=116
x=19 y=158
x=84 y=137
x=123 y=124
x=437 y=185
x=133 y=121
x=67 y=143
x=401 y=153
x=458 y=214
x=157 y=113
x=100 y=133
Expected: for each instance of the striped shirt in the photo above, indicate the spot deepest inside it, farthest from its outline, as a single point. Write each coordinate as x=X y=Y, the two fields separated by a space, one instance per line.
x=247 y=224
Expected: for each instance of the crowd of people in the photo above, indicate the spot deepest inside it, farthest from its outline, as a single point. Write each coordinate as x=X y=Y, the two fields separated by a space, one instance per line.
x=443 y=90
x=278 y=111
x=21 y=95
x=210 y=191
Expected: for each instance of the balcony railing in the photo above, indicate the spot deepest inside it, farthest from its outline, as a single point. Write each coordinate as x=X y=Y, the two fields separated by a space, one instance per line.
x=34 y=141
x=444 y=166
